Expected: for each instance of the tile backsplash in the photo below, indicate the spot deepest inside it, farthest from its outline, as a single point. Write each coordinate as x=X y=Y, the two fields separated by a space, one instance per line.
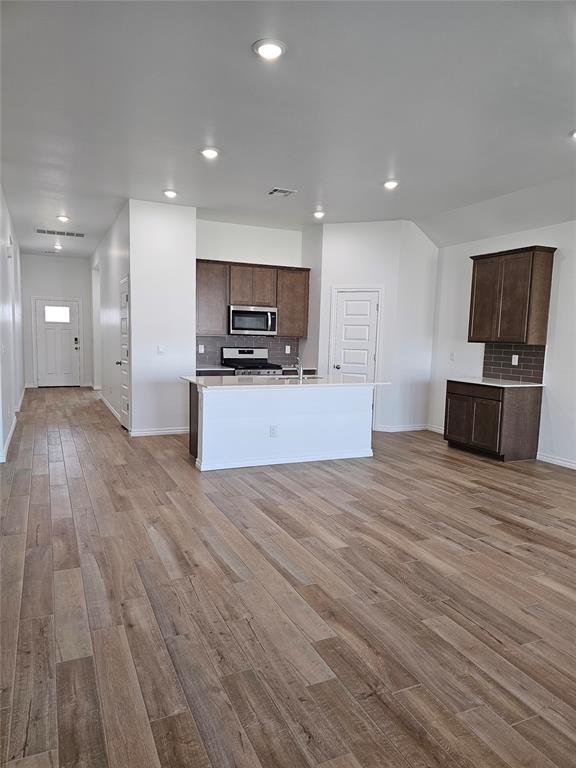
x=275 y=345
x=498 y=362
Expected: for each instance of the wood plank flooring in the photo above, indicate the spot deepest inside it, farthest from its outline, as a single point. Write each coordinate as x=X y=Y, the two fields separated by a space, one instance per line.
x=414 y=610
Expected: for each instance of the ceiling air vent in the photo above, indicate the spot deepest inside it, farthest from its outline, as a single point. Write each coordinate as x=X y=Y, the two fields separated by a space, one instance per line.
x=58 y=232
x=279 y=192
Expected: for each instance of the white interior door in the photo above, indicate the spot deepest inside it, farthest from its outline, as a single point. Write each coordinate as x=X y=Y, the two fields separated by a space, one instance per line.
x=57 y=343
x=123 y=361
x=355 y=334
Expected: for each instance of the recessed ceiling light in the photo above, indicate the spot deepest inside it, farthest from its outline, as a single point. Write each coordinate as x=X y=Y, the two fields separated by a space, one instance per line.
x=573 y=133
x=57 y=247
x=171 y=193
x=319 y=213
x=269 y=50
x=63 y=218
x=391 y=184
x=209 y=153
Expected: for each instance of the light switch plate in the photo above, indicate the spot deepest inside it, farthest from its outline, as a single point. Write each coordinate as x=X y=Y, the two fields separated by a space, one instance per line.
x=287 y=349
x=200 y=349
x=514 y=359
x=452 y=356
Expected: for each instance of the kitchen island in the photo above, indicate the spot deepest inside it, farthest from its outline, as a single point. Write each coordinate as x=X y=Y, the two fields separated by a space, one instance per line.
x=246 y=421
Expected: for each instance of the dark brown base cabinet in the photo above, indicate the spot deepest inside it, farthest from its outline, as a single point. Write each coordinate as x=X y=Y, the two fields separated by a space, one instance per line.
x=503 y=421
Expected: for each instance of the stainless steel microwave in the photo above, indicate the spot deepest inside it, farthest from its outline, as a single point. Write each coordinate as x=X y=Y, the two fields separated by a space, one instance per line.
x=253 y=321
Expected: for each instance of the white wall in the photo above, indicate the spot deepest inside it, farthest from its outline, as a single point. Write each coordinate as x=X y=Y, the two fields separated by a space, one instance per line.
x=56 y=277
x=163 y=314
x=223 y=241
x=398 y=258
x=96 y=334
x=312 y=237
x=414 y=327
x=11 y=351
x=558 y=425
x=112 y=258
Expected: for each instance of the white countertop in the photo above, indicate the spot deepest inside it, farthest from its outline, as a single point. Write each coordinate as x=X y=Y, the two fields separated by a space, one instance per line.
x=493 y=382
x=249 y=382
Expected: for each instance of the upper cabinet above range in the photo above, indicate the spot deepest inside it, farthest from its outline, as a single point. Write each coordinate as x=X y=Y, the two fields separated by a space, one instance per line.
x=511 y=296
x=252 y=286
x=219 y=284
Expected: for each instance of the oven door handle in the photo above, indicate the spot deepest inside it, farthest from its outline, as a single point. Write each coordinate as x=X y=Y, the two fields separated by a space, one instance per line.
x=269 y=320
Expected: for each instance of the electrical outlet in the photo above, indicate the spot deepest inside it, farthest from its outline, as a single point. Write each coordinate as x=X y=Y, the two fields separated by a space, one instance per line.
x=273 y=430
x=514 y=359
x=452 y=356
x=159 y=350
x=287 y=349
x=200 y=349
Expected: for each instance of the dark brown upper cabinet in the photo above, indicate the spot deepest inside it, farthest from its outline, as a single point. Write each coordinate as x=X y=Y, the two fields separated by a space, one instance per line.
x=211 y=298
x=511 y=295
x=292 y=302
x=252 y=286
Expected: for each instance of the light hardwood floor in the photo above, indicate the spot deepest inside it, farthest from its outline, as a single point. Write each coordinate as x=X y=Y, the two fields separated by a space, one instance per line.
x=415 y=610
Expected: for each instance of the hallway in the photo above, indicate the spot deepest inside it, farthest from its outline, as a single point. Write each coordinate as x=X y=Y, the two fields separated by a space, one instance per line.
x=414 y=610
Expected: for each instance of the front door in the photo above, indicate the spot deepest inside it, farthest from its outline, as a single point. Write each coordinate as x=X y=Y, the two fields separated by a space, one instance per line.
x=354 y=335
x=57 y=343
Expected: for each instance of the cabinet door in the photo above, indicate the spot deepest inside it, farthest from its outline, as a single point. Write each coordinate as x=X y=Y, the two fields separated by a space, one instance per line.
x=264 y=286
x=292 y=302
x=241 y=284
x=484 y=300
x=486 y=424
x=458 y=418
x=514 y=297
x=211 y=298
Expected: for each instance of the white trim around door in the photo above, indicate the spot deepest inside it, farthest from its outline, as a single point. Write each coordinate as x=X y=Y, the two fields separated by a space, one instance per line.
x=56 y=300
x=335 y=292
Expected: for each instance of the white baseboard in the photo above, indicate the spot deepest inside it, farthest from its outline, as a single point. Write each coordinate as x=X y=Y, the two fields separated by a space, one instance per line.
x=401 y=428
x=19 y=406
x=158 y=431
x=433 y=428
x=110 y=407
x=30 y=385
x=96 y=388
x=569 y=463
x=6 y=445
x=262 y=461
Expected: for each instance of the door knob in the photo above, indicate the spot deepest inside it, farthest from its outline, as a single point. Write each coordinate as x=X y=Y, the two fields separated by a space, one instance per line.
x=118 y=362
x=338 y=366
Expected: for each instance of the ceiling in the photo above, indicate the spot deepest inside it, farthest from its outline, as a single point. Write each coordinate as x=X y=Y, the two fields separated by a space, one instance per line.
x=102 y=101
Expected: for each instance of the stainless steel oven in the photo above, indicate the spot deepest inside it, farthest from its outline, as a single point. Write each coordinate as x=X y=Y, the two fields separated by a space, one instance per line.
x=253 y=321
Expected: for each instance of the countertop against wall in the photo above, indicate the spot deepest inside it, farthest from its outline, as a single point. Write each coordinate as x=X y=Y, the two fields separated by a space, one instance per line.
x=493 y=382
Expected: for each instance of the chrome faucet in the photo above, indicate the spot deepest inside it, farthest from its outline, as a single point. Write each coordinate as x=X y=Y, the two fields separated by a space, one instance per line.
x=300 y=368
